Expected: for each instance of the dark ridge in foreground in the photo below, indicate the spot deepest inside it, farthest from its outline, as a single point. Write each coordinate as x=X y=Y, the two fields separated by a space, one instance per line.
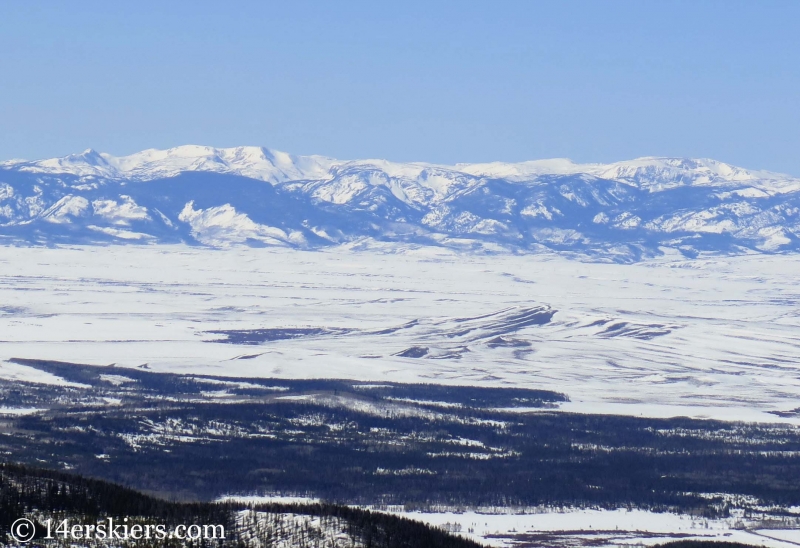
x=40 y=494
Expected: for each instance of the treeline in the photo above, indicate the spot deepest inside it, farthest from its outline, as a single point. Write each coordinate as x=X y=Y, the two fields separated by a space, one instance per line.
x=287 y=447
x=375 y=528
x=25 y=491
x=416 y=445
x=171 y=384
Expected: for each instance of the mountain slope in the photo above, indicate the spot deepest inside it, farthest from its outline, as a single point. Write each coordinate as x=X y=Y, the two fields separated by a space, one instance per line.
x=40 y=496
x=256 y=196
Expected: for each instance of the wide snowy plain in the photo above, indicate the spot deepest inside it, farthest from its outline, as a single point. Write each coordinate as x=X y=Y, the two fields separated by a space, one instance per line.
x=714 y=336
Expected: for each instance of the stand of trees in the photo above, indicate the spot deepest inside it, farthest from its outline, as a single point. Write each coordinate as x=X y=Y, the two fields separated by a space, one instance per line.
x=26 y=491
x=197 y=438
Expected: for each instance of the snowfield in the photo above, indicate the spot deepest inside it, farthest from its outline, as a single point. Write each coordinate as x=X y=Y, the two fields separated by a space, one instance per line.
x=710 y=337
x=544 y=527
x=607 y=528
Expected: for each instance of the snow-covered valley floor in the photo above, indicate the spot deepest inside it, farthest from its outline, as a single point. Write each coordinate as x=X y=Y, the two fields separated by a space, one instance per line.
x=711 y=337
x=548 y=527
x=608 y=528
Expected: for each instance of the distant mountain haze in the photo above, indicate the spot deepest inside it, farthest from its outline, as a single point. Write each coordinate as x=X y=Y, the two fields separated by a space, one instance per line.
x=256 y=196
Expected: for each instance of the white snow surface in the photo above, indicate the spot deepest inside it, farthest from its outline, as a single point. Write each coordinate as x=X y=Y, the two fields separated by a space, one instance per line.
x=606 y=528
x=713 y=337
x=267 y=499
x=18 y=411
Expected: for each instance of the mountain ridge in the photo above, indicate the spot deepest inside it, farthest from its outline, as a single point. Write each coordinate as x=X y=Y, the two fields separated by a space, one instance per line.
x=245 y=160
x=218 y=197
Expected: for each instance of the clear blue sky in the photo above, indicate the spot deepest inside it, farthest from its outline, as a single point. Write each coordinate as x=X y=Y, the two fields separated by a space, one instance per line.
x=430 y=81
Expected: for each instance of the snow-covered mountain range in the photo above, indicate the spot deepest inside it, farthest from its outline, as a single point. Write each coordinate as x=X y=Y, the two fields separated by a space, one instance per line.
x=257 y=196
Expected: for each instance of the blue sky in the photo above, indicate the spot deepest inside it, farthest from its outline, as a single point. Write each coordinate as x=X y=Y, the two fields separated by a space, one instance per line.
x=431 y=81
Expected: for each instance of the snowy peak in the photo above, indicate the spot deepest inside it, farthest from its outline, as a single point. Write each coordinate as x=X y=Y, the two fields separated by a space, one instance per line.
x=660 y=173
x=86 y=163
x=522 y=171
x=254 y=162
x=651 y=173
x=258 y=196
